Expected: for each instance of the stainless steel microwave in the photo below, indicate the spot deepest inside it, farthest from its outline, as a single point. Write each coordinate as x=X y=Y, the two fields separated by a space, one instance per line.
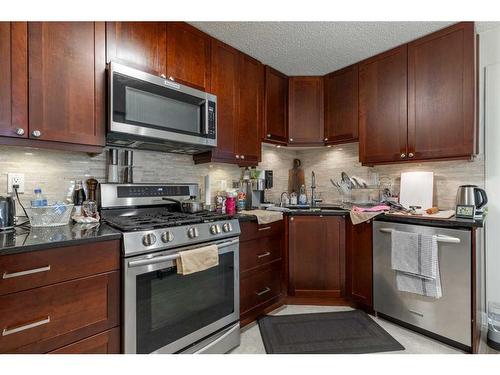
x=154 y=113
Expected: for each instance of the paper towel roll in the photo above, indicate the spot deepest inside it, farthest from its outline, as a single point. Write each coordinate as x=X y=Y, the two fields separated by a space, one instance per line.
x=208 y=192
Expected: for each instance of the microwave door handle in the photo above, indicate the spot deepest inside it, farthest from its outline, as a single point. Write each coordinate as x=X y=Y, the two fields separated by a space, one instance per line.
x=206 y=115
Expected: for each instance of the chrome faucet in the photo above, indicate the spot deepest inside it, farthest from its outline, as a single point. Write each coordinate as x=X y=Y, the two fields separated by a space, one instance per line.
x=313 y=189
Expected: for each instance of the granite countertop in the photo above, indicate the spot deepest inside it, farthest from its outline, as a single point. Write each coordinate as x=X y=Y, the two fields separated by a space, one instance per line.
x=453 y=222
x=32 y=239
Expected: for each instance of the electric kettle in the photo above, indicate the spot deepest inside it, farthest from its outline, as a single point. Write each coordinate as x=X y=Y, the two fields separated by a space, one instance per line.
x=7 y=213
x=472 y=195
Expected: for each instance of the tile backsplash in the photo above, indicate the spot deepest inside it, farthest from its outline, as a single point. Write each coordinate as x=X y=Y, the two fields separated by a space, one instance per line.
x=53 y=170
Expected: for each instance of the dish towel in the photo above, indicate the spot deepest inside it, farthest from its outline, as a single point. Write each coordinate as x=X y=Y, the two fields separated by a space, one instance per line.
x=265 y=216
x=361 y=214
x=196 y=260
x=414 y=257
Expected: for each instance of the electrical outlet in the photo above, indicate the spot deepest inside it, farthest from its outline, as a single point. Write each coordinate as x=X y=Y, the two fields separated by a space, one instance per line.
x=15 y=179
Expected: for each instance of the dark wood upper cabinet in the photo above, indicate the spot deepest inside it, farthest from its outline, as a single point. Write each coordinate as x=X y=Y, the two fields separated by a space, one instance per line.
x=188 y=55
x=341 y=106
x=316 y=256
x=14 y=79
x=67 y=82
x=441 y=94
x=141 y=45
x=305 y=111
x=275 y=106
x=382 y=107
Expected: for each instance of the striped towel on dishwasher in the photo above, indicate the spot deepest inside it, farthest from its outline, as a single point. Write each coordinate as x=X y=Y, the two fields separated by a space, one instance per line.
x=414 y=257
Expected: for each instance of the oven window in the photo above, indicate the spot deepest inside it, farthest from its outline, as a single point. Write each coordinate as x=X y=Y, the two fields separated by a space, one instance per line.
x=145 y=104
x=171 y=306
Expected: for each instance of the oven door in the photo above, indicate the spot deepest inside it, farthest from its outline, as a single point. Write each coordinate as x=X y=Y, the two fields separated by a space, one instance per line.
x=165 y=312
x=146 y=106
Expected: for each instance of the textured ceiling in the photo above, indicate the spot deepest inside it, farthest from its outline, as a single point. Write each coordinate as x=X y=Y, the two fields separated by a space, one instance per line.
x=317 y=48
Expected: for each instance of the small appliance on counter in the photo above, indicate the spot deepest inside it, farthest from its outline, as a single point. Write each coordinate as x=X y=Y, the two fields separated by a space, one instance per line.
x=471 y=198
x=7 y=213
x=261 y=181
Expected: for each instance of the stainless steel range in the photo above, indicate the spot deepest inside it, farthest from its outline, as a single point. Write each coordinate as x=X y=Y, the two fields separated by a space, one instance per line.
x=164 y=312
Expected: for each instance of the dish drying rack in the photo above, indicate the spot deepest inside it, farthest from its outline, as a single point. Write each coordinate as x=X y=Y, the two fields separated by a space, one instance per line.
x=358 y=194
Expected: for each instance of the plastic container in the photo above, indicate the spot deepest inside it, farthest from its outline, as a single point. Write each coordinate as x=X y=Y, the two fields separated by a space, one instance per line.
x=50 y=216
x=40 y=200
x=231 y=203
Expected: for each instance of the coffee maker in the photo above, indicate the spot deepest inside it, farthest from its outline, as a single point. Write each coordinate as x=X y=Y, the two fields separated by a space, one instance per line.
x=259 y=183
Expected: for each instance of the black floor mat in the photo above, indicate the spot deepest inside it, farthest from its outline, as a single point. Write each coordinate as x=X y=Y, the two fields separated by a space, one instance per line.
x=344 y=332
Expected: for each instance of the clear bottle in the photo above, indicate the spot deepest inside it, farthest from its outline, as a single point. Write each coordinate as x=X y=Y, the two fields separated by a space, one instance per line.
x=302 y=195
x=40 y=200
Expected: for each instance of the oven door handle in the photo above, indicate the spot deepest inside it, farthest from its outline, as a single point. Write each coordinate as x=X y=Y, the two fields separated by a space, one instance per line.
x=166 y=258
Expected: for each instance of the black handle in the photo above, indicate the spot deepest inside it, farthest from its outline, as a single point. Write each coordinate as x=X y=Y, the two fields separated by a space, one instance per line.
x=481 y=197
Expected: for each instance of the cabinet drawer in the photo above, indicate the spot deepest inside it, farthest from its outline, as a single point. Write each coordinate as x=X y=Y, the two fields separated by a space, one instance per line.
x=258 y=287
x=39 y=268
x=258 y=252
x=42 y=319
x=107 y=342
x=250 y=230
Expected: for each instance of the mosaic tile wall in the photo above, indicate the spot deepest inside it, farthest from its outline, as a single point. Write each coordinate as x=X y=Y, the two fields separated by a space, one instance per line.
x=53 y=170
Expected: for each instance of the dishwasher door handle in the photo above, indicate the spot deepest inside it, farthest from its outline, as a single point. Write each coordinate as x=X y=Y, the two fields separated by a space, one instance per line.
x=440 y=238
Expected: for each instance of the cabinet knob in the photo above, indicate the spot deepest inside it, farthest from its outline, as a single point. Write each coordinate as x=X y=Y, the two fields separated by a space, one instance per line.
x=403 y=156
x=237 y=156
x=242 y=156
x=171 y=78
x=410 y=155
x=163 y=76
x=326 y=139
x=269 y=136
x=36 y=133
x=19 y=131
x=291 y=139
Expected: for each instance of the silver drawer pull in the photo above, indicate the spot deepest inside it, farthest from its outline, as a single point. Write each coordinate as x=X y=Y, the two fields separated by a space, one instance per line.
x=265 y=228
x=439 y=237
x=263 y=291
x=7 y=331
x=263 y=255
x=416 y=313
x=7 y=275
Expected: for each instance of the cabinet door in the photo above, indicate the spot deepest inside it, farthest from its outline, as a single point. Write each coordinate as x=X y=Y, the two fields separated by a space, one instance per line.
x=360 y=263
x=188 y=55
x=275 y=106
x=441 y=94
x=14 y=81
x=107 y=342
x=316 y=256
x=141 y=45
x=382 y=107
x=341 y=106
x=224 y=79
x=250 y=105
x=305 y=118
x=67 y=82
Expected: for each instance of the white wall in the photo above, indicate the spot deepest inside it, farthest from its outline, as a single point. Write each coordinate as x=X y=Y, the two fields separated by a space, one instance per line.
x=489 y=106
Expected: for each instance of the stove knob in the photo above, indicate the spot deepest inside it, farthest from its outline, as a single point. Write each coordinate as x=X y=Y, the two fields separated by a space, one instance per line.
x=213 y=229
x=167 y=237
x=227 y=227
x=148 y=239
x=193 y=232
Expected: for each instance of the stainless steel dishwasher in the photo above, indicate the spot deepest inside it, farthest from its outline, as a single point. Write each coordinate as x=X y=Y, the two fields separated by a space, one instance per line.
x=449 y=317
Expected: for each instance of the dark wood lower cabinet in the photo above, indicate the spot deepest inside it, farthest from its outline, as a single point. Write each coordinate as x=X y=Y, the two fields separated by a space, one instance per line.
x=316 y=256
x=107 y=342
x=359 y=275
x=261 y=269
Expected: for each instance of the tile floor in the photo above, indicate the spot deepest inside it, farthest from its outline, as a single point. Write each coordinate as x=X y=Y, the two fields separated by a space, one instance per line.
x=414 y=343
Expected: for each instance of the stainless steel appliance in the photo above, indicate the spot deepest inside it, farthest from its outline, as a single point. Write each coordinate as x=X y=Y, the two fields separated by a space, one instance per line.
x=155 y=113
x=449 y=317
x=472 y=195
x=7 y=213
x=164 y=312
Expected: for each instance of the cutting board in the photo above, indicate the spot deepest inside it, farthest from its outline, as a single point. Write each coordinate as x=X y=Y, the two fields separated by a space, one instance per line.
x=445 y=214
